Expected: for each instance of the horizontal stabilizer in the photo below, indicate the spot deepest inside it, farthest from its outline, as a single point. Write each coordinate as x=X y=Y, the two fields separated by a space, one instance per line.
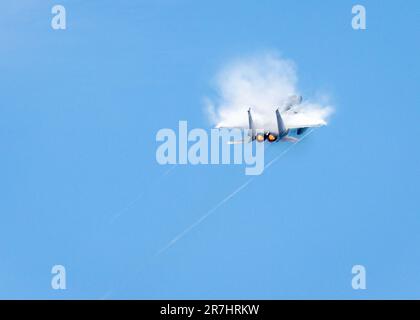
x=289 y=139
x=236 y=142
x=239 y=141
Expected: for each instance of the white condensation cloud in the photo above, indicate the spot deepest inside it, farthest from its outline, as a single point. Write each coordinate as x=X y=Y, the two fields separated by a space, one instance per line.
x=264 y=83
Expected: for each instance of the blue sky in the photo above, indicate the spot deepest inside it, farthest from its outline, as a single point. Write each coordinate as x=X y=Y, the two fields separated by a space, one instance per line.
x=79 y=112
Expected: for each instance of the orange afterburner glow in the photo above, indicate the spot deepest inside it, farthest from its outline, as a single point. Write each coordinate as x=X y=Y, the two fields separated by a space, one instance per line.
x=272 y=138
x=260 y=138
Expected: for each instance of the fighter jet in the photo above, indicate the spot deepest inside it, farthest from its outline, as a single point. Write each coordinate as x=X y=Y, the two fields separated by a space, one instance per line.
x=289 y=111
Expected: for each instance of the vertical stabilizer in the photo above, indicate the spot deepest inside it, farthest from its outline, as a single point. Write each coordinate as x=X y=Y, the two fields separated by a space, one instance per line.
x=280 y=125
x=251 y=125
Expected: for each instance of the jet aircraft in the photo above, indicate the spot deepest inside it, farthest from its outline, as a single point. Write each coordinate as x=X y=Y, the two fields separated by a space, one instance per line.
x=284 y=128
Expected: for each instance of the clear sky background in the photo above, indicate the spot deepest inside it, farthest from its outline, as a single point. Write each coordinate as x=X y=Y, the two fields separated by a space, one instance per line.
x=80 y=186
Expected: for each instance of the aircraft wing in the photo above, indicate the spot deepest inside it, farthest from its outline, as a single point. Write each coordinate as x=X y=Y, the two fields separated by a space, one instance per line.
x=227 y=127
x=304 y=123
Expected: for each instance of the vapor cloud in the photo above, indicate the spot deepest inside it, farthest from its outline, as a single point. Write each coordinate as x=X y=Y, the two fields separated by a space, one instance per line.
x=264 y=83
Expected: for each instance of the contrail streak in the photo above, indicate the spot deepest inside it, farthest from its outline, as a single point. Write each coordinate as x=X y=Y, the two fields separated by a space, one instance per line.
x=139 y=196
x=230 y=196
x=287 y=150
x=212 y=210
x=208 y=213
